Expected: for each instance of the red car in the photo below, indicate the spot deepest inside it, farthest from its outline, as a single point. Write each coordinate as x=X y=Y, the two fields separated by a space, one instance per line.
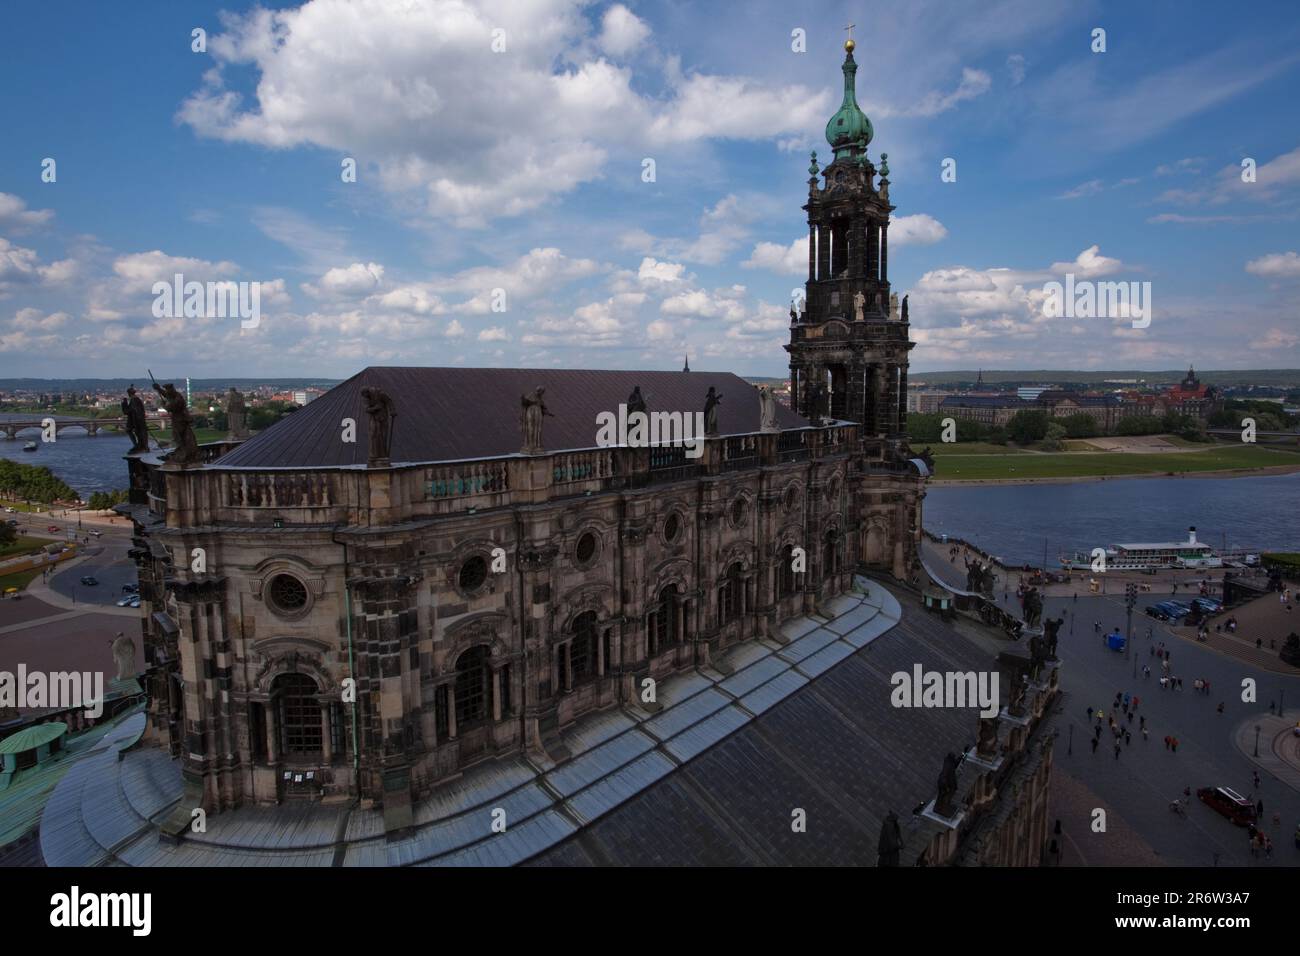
x=1230 y=803
x=54 y=529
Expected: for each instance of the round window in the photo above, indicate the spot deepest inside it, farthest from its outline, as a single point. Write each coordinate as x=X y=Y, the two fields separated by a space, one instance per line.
x=287 y=594
x=473 y=573
x=586 y=549
x=738 y=512
x=672 y=528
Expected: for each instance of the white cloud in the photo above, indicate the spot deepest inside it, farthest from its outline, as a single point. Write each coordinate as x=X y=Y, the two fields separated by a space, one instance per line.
x=917 y=230
x=791 y=260
x=14 y=213
x=1278 y=265
x=356 y=279
x=1089 y=263
x=974 y=83
x=146 y=268
x=475 y=134
x=622 y=31
x=653 y=270
x=494 y=334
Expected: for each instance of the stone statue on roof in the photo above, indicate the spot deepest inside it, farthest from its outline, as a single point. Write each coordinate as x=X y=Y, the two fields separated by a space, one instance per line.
x=635 y=401
x=1051 y=628
x=382 y=412
x=124 y=656
x=136 y=427
x=1033 y=607
x=532 y=409
x=711 y=402
x=766 y=409
x=187 y=448
x=236 y=414
x=987 y=744
x=859 y=302
x=904 y=308
x=893 y=306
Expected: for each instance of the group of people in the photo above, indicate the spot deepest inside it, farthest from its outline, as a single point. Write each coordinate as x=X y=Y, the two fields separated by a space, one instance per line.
x=1124 y=704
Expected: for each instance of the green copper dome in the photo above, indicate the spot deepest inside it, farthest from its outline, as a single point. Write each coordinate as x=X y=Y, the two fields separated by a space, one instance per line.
x=849 y=127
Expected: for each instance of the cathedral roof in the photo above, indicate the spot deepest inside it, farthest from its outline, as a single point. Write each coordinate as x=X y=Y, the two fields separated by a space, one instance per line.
x=454 y=414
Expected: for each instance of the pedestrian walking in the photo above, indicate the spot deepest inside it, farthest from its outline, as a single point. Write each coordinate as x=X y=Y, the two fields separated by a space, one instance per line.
x=1255 y=776
x=1146 y=736
x=1128 y=738
x=1220 y=708
x=1167 y=739
x=1143 y=723
x=1116 y=749
x=1135 y=703
x=1097 y=735
x=1259 y=808
x=1173 y=744
x=1096 y=740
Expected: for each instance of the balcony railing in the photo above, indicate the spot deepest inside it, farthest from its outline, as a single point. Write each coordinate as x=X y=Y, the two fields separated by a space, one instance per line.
x=467 y=480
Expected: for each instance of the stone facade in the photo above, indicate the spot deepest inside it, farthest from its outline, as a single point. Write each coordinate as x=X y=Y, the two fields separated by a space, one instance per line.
x=476 y=622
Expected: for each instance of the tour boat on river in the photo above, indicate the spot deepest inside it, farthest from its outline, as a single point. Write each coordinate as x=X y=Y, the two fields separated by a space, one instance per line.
x=1155 y=556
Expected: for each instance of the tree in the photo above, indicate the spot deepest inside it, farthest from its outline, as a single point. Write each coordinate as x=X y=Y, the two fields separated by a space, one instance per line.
x=8 y=533
x=1080 y=425
x=1027 y=426
x=1053 y=439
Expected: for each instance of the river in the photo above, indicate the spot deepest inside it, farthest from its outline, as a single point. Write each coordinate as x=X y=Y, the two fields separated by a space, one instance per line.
x=1012 y=522
x=86 y=464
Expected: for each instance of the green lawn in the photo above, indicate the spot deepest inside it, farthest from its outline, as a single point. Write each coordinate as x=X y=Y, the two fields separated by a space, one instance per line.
x=22 y=545
x=201 y=435
x=968 y=448
x=961 y=467
x=23 y=506
x=19 y=580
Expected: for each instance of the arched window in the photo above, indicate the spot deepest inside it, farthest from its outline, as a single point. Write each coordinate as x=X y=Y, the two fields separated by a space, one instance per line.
x=786 y=582
x=665 y=626
x=730 y=595
x=300 y=721
x=473 y=686
x=830 y=553
x=582 y=648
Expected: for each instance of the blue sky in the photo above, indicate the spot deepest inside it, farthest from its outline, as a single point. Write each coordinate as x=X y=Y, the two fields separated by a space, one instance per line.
x=500 y=215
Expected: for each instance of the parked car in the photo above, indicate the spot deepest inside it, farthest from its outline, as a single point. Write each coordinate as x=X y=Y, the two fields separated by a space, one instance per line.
x=89 y=581
x=96 y=534
x=1207 y=605
x=130 y=589
x=1229 y=803
x=53 y=529
x=10 y=511
x=135 y=601
x=1156 y=611
x=126 y=601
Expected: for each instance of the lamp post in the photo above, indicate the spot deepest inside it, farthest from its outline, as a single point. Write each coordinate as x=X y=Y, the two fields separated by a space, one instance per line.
x=1257 y=740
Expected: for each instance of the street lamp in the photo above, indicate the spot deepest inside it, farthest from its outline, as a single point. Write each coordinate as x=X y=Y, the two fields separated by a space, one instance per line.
x=1257 y=740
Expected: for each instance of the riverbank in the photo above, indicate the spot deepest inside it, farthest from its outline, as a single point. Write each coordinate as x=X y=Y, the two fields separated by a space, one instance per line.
x=1085 y=479
x=1024 y=468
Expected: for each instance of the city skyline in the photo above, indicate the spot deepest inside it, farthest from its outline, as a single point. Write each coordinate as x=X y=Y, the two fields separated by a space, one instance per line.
x=227 y=166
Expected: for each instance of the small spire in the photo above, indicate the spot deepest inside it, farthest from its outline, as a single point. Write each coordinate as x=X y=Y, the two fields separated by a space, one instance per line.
x=884 y=165
x=812 y=166
x=687 y=366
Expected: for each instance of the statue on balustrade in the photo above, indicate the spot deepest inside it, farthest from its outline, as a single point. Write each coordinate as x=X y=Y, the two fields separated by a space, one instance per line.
x=136 y=426
x=187 y=447
x=236 y=414
x=382 y=412
x=711 y=402
x=532 y=409
x=766 y=409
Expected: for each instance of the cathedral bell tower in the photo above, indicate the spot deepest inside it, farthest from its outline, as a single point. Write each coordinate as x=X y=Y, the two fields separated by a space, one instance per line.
x=848 y=348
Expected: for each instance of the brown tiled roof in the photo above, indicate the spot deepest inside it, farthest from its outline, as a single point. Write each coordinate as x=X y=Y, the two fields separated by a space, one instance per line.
x=450 y=414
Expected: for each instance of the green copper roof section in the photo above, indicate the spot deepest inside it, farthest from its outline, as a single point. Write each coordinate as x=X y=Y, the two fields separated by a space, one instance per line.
x=849 y=127
x=32 y=737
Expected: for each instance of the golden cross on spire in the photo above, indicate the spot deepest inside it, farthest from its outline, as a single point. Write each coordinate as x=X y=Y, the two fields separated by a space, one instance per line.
x=849 y=44
x=849 y=28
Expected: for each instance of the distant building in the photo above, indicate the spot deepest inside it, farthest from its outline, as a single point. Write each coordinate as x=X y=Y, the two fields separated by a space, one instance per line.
x=1190 y=397
x=925 y=402
x=1104 y=409
x=994 y=410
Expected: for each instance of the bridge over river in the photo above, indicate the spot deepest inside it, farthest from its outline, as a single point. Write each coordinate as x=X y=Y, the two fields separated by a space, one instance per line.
x=90 y=426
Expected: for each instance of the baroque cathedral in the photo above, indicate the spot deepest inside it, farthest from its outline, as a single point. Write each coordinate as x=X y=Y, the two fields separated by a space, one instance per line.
x=473 y=572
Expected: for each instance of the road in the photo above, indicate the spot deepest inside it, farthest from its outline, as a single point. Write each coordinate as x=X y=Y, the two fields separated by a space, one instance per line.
x=1147 y=776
